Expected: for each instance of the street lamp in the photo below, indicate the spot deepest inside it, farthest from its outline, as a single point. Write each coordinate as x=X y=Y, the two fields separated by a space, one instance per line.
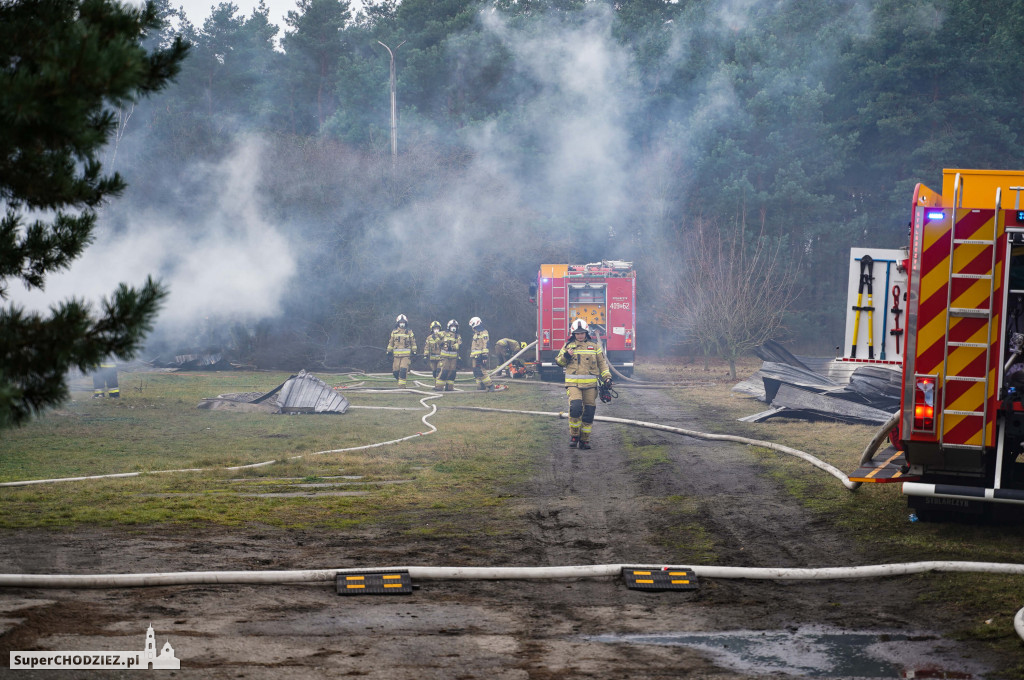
x=394 y=114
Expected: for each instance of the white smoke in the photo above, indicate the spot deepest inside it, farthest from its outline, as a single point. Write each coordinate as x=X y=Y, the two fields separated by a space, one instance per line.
x=237 y=267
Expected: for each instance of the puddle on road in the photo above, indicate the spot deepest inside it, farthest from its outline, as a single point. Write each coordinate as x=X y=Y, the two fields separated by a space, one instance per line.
x=821 y=652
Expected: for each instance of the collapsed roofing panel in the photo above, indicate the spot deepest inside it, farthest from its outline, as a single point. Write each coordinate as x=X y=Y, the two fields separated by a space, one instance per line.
x=305 y=393
x=869 y=395
x=301 y=393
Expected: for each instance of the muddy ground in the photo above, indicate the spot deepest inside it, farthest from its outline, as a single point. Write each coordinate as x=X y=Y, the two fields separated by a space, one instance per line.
x=583 y=507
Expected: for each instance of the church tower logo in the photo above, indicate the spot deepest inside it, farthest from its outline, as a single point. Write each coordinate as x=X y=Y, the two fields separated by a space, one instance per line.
x=165 y=659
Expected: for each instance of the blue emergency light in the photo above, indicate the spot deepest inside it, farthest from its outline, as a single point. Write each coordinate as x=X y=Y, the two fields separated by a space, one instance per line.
x=935 y=215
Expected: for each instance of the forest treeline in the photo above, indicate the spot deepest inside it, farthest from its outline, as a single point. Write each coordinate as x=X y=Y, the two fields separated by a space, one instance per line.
x=547 y=131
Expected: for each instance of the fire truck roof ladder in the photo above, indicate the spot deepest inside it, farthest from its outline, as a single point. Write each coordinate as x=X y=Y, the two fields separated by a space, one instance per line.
x=961 y=351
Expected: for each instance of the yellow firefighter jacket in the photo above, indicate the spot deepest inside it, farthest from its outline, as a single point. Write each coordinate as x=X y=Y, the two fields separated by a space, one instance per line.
x=402 y=343
x=479 y=346
x=433 y=345
x=450 y=344
x=586 y=365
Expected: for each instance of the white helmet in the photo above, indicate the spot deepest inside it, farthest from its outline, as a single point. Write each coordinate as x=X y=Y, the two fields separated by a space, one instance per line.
x=579 y=326
x=401 y=320
x=453 y=325
x=474 y=322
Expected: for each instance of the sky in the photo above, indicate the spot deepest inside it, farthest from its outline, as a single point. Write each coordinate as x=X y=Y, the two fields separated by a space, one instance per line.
x=198 y=10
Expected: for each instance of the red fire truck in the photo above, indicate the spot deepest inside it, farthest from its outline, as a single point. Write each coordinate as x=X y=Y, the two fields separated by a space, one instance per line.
x=960 y=433
x=601 y=293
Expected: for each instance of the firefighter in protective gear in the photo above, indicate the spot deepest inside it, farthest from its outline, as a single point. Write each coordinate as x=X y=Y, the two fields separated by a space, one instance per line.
x=401 y=346
x=585 y=368
x=104 y=381
x=505 y=349
x=451 y=342
x=478 y=354
x=432 y=348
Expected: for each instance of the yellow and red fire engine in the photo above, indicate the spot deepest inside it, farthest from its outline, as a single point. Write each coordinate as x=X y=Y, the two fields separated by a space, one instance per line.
x=601 y=293
x=960 y=432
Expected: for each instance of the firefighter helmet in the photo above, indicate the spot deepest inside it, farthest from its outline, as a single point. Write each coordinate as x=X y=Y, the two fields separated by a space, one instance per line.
x=474 y=322
x=435 y=325
x=522 y=345
x=400 y=319
x=579 y=326
x=453 y=325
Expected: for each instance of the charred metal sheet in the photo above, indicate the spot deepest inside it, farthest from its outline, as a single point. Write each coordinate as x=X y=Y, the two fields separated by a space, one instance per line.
x=305 y=393
x=764 y=415
x=824 y=405
x=764 y=384
x=773 y=352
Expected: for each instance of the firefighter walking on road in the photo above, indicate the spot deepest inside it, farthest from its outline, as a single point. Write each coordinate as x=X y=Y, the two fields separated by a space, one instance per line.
x=402 y=346
x=585 y=368
x=451 y=341
x=478 y=353
x=432 y=348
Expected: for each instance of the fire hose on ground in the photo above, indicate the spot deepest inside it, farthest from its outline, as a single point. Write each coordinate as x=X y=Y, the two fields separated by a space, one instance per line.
x=441 y=573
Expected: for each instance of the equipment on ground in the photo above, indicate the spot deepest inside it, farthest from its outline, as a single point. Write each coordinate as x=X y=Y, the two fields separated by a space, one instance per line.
x=959 y=439
x=603 y=294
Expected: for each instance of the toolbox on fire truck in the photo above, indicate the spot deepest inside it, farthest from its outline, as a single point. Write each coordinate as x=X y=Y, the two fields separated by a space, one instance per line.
x=961 y=422
x=601 y=293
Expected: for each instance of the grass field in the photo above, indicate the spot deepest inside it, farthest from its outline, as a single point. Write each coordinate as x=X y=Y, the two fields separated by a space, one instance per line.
x=156 y=426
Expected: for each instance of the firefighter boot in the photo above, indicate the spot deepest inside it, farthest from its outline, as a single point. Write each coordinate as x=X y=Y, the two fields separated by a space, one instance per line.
x=573 y=442
x=449 y=387
x=584 y=445
x=490 y=387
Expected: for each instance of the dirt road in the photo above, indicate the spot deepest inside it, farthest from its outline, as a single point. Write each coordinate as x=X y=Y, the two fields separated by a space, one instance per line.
x=582 y=507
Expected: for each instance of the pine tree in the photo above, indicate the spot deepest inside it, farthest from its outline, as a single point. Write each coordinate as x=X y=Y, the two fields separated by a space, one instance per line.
x=65 y=66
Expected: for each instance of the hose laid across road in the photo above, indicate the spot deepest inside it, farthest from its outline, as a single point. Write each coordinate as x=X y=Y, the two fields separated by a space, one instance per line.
x=439 y=573
x=502 y=573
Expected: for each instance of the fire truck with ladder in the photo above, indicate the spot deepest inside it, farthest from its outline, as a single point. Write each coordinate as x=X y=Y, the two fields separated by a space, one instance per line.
x=958 y=439
x=601 y=293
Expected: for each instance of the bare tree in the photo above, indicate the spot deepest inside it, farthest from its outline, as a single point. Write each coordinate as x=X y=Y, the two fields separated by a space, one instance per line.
x=733 y=291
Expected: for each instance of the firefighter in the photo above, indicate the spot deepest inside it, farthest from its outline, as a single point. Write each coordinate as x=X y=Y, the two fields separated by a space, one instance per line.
x=451 y=342
x=585 y=367
x=478 y=353
x=401 y=346
x=104 y=381
x=432 y=348
x=505 y=349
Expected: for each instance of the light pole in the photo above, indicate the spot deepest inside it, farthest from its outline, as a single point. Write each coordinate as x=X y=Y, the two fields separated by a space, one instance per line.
x=394 y=113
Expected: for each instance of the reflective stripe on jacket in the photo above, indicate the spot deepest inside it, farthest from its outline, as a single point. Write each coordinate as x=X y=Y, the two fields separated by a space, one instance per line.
x=479 y=346
x=402 y=343
x=586 y=365
x=450 y=345
x=433 y=345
